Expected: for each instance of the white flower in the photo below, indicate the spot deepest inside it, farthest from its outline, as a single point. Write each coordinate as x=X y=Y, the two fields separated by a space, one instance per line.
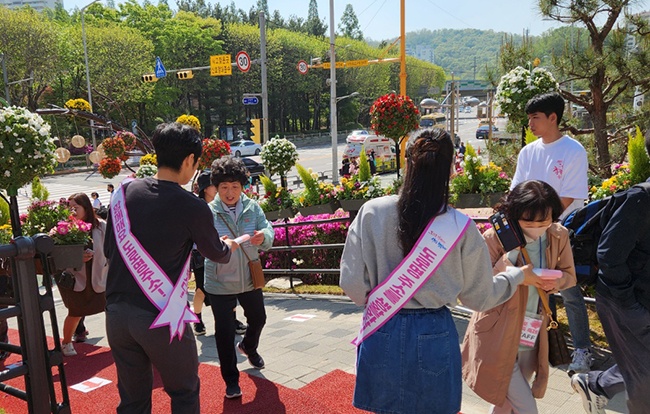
x=7 y=174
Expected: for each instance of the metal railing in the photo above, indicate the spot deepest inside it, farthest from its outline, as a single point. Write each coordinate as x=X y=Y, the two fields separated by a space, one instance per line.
x=289 y=247
x=28 y=305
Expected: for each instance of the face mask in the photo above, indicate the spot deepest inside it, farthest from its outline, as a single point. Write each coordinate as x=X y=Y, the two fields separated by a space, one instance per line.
x=533 y=234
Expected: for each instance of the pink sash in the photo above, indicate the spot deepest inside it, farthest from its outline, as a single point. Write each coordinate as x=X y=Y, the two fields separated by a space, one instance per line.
x=170 y=299
x=430 y=251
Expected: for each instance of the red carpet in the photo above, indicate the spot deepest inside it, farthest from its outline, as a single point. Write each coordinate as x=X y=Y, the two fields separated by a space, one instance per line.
x=331 y=393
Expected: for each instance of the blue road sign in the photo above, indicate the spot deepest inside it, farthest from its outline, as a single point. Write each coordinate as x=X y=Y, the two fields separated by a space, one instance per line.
x=250 y=100
x=160 y=69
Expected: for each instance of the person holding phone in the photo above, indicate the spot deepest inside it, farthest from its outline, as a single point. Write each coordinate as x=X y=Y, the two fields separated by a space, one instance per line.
x=496 y=336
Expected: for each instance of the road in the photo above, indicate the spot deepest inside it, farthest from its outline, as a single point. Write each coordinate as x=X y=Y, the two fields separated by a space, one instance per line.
x=318 y=158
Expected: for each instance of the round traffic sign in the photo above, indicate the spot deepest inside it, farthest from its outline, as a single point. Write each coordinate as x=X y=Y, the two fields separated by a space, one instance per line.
x=243 y=61
x=302 y=67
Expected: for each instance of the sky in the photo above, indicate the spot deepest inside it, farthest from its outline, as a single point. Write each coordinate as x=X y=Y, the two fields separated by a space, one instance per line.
x=379 y=19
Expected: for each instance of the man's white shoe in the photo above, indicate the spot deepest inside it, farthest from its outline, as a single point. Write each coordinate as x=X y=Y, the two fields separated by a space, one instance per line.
x=591 y=402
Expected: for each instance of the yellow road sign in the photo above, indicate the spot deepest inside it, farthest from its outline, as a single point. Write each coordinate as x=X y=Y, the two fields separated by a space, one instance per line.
x=220 y=65
x=339 y=65
x=356 y=63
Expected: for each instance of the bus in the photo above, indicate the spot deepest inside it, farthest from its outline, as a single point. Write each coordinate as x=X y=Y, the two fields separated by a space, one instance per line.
x=433 y=120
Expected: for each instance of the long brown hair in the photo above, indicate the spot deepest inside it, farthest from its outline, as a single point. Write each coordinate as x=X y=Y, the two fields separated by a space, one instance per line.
x=83 y=200
x=425 y=192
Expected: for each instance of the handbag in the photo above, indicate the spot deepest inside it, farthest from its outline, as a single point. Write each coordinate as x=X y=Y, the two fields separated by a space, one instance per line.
x=558 y=351
x=255 y=266
x=64 y=280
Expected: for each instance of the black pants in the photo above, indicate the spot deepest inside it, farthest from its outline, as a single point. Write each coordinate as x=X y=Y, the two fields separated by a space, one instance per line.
x=629 y=339
x=224 y=332
x=137 y=349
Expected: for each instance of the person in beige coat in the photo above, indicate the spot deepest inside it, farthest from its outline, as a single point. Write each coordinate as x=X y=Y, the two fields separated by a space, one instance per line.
x=495 y=365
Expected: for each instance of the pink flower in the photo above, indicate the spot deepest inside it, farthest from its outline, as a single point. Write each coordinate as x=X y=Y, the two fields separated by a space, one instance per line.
x=62 y=228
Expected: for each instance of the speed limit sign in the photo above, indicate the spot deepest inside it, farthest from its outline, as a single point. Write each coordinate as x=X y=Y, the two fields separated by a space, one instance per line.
x=302 y=67
x=243 y=61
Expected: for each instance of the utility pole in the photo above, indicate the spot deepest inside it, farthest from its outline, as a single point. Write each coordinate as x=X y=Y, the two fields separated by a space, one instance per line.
x=452 y=109
x=333 y=121
x=5 y=78
x=265 y=88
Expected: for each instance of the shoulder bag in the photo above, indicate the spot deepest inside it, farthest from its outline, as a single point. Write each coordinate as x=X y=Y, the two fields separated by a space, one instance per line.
x=558 y=351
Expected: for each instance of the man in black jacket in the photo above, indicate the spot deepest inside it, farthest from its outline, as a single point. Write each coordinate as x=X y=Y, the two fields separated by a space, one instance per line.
x=623 y=304
x=148 y=248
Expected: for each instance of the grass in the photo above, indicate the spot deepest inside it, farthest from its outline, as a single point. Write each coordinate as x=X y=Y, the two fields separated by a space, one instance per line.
x=597 y=335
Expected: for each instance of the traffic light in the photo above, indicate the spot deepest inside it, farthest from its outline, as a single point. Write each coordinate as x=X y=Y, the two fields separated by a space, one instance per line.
x=254 y=130
x=149 y=77
x=184 y=74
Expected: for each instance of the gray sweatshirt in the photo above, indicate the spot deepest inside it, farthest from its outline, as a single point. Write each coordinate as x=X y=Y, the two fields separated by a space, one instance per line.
x=372 y=251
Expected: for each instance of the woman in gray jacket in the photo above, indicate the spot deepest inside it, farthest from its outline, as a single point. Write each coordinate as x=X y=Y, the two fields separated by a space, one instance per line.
x=411 y=364
x=226 y=284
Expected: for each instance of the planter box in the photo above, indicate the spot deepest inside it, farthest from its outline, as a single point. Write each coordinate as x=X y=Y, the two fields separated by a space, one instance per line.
x=352 y=205
x=478 y=200
x=328 y=208
x=68 y=256
x=279 y=214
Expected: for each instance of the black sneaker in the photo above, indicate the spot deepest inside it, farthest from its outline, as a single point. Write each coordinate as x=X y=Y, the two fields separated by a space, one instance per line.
x=233 y=391
x=254 y=358
x=240 y=327
x=199 y=329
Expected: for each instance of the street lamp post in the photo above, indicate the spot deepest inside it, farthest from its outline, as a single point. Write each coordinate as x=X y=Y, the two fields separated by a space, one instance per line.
x=90 y=95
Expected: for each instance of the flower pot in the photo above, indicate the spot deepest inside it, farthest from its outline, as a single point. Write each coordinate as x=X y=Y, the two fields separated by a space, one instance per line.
x=478 y=200
x=68 y=256
x=352 y=205
x=278 y=214
x=328 y=208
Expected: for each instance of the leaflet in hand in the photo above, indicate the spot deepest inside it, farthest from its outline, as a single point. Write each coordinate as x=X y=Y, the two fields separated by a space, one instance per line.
x=548 y=273
x=243 y=238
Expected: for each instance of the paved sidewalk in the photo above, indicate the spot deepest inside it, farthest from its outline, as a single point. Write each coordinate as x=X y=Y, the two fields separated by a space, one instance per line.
x=307 y=336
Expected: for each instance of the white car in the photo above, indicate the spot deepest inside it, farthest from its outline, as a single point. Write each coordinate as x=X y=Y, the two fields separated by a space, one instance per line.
x=244 y=147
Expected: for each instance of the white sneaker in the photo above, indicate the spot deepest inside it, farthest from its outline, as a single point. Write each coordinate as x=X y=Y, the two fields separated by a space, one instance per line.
x=591 y=402
x=68 y=349
x=581 y=361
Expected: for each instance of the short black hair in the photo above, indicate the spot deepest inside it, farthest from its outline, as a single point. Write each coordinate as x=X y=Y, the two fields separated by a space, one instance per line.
x=531 y=200
x=228 y=169
x=111 y=186
x=548 y=103
x=173 y=142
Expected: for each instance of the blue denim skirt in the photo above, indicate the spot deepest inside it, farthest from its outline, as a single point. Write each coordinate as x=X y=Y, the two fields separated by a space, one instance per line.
x=411 y=365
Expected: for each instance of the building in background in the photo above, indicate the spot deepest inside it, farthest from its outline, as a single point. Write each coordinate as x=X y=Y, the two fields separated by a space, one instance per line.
x=38 y=5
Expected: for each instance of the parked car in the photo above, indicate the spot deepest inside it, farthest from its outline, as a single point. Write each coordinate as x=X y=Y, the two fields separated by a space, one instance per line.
x=255 y=167
x=245 y=147
x=482 y=131
x=468 y=109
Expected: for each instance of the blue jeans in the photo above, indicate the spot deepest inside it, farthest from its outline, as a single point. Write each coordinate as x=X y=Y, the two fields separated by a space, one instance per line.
x=576 y=312
x=411 y=365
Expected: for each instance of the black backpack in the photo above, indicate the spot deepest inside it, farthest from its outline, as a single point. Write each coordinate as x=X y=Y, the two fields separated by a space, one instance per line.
x=585 y=225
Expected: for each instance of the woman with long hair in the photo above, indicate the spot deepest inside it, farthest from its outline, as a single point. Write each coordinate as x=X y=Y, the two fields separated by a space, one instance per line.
x=411 y=363
x=87 y=295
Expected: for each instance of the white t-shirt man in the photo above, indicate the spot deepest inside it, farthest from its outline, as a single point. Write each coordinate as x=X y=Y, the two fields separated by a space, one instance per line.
x=562 y=164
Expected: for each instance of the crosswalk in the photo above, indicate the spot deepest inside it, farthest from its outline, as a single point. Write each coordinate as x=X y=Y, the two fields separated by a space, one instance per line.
x=63 y=186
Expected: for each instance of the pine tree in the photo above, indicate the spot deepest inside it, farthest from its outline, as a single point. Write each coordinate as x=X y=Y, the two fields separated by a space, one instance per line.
x=349 y=25
x=315 y=26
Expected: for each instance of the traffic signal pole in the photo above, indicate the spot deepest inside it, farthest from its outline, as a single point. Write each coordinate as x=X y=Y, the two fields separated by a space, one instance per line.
x=265 y=87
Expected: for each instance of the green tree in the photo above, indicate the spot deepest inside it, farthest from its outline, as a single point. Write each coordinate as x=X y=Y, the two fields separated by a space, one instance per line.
x=314 y=25
x=605 y=62
x=29 y=43
x=349 y=25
